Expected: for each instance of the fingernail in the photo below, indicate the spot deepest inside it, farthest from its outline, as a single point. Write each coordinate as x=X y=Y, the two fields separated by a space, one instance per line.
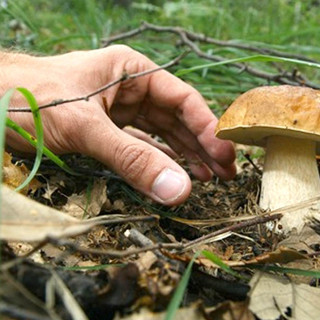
x=169 y=185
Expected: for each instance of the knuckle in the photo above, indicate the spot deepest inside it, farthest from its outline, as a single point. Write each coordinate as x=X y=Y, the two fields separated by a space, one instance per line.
x=121 y=50
x=133 y=160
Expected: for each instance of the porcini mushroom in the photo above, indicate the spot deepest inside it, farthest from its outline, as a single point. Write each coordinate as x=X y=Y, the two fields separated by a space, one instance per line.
x=286 y=121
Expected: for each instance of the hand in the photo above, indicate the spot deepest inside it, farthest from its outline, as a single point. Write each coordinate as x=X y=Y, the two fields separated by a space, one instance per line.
x=158 y=103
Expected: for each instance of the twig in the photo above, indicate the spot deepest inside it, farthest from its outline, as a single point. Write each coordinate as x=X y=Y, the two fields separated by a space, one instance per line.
x=118 y=254
x=247 y=156
x=234 y=227
x=124 y=77
x=201 y=38
x=179 y=246
x=15 y=312
x=32 y=298
x=128 y=219
x=188 y=38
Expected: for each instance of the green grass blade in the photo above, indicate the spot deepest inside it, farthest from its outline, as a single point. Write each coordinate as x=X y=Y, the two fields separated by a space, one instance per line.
x=179 y=293
x=216 y=260
x=283 y=270
x=254 y=58
x=39 y=133
x=93 y=268
x=18 y=13
x=4 y=104
x=33 y=141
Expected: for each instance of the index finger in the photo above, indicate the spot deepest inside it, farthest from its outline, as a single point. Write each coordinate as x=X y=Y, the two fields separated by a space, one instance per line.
x=168 y=91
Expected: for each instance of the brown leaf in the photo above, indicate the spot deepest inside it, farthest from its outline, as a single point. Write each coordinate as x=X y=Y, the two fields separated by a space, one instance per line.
x=281 y=255
x=23 y=219
x=81 y=205
x=302 y=241
x=14 y=175
x=189 y=313
x=271 y=295
x=230 y=310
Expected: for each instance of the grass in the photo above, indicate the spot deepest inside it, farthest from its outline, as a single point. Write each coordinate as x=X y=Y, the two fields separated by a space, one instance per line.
x=39 y=132
x=60 y=26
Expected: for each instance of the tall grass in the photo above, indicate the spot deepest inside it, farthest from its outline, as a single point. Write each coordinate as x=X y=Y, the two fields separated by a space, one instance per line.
x=4 y=104
x=60 y=26
x=276 y=22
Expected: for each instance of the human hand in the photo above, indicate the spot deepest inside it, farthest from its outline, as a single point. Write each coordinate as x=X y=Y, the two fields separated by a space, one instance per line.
x=157 y=103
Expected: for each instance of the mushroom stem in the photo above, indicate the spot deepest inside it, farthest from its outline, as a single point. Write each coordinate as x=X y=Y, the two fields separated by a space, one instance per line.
x=290 y=176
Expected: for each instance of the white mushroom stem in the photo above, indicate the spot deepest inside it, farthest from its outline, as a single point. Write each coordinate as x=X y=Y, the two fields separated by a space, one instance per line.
x=290 y=176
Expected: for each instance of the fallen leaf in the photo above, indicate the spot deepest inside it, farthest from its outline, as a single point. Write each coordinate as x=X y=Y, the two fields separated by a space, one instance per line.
x=49 y=191
x=305 y=264
x=190 y=313
x=272 y=295
x=83 y=204
x=230 y=310
x=146 y=260
x=23 y=219
x=302 y=241
x=281 y=255
x=14 y=175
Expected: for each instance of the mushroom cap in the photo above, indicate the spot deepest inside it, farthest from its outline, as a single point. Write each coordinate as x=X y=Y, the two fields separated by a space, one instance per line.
x=272 y=110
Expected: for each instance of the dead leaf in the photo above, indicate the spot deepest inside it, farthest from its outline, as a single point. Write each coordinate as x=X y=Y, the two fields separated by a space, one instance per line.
x=49 y=191
x=23 y=219
x=190 y=313
x=272 y=295
x=306 y=264
x=281 y=255
x=14 y=175
x=83 y=204
x=302 y=241
x=230 y=310
x=146 y=260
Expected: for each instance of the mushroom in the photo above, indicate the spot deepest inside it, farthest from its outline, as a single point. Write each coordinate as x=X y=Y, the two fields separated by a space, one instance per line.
x=286 y=121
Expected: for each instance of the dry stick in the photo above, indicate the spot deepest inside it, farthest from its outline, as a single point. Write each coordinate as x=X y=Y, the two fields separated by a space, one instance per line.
x=125 y=76
x=130 y=219
x=187 y=38
x=30 y=296
x=202 y=38
x=234 y=227
x=247 y=156
x=15 y=312
x=118 y=254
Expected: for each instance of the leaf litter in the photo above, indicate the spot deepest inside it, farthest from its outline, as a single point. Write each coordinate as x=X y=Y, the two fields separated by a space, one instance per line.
x=75 y=231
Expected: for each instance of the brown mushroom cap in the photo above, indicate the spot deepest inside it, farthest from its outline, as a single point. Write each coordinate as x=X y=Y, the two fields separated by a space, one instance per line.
x=272 y=110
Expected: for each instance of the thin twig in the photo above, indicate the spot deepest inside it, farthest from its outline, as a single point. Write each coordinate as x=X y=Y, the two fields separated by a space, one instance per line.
x=179 y=246
x=201 y=38
x=124 y=77
x=247 y=156
x=234 y=227
x=188 y=38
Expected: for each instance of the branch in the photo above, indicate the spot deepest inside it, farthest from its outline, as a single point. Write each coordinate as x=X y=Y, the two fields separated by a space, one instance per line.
x=123 y=78
x=121 y=254
x=187 y=38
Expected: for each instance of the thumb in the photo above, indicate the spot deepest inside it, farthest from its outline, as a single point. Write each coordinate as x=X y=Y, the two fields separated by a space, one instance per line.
x=143 y=166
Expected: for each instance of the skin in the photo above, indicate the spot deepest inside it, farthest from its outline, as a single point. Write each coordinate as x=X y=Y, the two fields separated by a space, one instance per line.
x=158 y=103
